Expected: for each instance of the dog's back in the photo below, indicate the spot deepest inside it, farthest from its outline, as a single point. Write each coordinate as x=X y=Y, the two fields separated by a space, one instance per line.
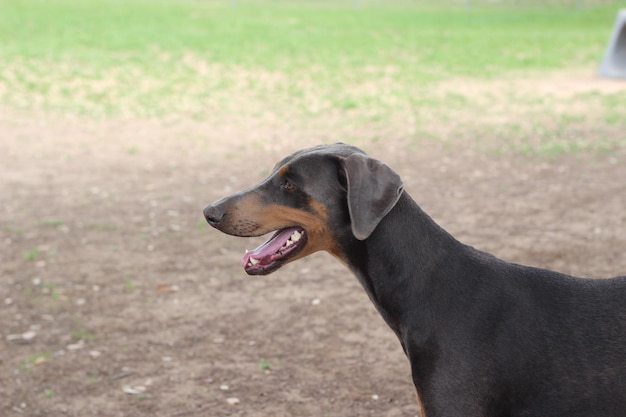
x=559 y=342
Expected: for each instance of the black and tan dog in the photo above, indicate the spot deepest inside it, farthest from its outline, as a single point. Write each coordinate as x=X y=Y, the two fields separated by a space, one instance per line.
x=485 y=338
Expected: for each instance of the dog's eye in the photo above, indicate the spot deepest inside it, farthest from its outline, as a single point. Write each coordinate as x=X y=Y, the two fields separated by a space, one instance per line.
x=287 y=185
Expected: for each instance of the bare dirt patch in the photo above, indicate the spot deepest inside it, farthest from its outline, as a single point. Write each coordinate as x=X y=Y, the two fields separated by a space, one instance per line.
x=116 y=300
x=557 y=83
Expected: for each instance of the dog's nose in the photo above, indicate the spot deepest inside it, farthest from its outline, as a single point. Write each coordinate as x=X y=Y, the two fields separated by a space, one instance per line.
x=213 y=215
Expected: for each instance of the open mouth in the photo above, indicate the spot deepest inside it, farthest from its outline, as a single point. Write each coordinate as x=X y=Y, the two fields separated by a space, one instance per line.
x=272 y=254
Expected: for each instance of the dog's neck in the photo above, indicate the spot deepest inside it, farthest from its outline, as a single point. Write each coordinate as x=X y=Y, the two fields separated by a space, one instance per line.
x=400 y=263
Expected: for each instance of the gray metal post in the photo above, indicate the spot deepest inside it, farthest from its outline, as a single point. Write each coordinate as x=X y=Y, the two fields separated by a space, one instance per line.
x=614 y=61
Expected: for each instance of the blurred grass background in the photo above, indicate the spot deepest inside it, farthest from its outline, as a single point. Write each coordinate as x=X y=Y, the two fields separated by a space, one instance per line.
x=364 y=62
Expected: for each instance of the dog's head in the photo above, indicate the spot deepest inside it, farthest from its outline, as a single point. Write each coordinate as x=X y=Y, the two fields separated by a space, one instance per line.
x=316 y=199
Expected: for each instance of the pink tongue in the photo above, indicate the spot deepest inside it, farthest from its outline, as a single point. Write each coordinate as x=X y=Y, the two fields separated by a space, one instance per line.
x=270 y=247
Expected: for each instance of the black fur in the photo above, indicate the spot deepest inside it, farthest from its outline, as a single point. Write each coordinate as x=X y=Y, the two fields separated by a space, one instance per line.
x=484 y=337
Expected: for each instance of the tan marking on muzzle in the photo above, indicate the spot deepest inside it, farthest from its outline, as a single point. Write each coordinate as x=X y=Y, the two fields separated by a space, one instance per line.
x=248 y=216
x=319 y=236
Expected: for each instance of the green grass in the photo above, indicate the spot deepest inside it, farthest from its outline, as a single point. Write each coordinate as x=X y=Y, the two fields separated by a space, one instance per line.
x=157 y=34
x=29 y=363
x=300 y=60
x=130 y=285
x=151 y=58
x=31 y=254
x=265 y=364
x=82 y=334
x=53 y=222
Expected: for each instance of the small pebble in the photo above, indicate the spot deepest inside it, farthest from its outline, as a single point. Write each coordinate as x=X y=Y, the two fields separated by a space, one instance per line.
x=76 y=346
x=232 y=401
x=30 y=335
x=130 y=390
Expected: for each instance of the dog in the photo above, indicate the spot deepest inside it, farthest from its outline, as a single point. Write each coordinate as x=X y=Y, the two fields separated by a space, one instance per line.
x=484 y=337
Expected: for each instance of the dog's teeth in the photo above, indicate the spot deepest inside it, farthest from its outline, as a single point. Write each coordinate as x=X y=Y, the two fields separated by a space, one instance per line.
x=288 y=243
x=253 y=261
x=295 y=236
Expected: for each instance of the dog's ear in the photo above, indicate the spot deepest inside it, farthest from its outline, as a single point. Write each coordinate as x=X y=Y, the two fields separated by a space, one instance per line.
x=373 y=189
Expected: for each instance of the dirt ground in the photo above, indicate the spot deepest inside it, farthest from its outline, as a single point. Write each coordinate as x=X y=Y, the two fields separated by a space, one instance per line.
x=117 y=300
